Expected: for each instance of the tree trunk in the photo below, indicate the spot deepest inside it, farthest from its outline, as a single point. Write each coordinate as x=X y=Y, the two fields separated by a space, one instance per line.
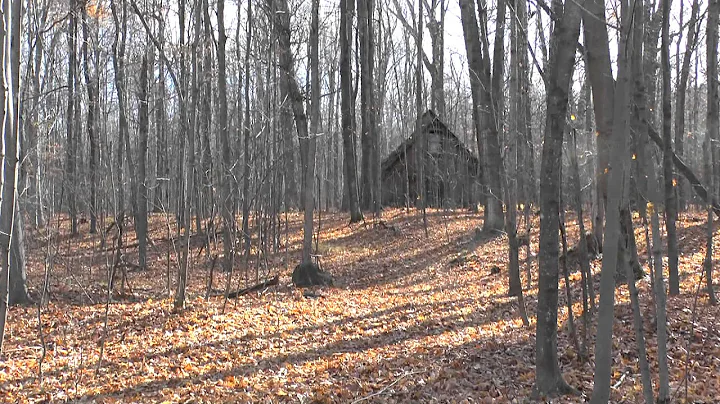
x=347 y=100
x=601 y=79
x=185 y=171
x=490 y=114
x=436 y=26
x=713 y=118
x=141 y=217
x=548 y=379
x=639 y=110
x=119 y=69
x=480 y=87
x=226 y=177
x=365 y=38
x=162 y=169
x=246 y=140
x=70 y=118
x=286 y=64
x=669 y=177
x=585 y=273
x=513 y=155
x=92 y=115
x=9 y=105
x=681 y=95
x=615 y=202
x=315 y=129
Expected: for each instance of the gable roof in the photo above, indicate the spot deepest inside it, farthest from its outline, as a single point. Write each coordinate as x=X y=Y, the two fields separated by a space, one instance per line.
x=429 y=120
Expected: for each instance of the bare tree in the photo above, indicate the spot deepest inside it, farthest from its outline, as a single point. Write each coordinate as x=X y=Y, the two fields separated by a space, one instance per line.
x=141 y=214
x=347 y=101
x=366 y=39
x=9 y=105
x=315 y=129
x=712 y=121
x=670 y=181
x=70 y=116
x=681 y=93
x=436 y=26
x=548 y=379
x=639 y=110
x=93 y=92
x=118 y=56
x=226 y=179
x=486 y=98
x=286 y=64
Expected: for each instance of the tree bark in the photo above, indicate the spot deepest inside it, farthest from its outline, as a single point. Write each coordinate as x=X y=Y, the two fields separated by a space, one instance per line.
x=315 y=129
x=640 y=128
x=347 y=100
x=681 y=95
x=141 y=216
x=599 y=73
x=120 y=22
x=226 y=177
x=70 y=117
x=246 y=140
x=713 y=114
x=548 y=379
x=669 y=178
x=616 y=193
x=436 y=26
x=286 y=64
x=93 y=112
x=365 y=38
x=491 y=113
x=486 y=137
x=9 y=105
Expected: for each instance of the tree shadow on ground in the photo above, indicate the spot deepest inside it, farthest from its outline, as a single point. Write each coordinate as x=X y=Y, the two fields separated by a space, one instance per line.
x=375 y=338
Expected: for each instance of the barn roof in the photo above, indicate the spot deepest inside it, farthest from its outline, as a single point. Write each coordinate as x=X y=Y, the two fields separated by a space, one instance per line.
x=428 y=120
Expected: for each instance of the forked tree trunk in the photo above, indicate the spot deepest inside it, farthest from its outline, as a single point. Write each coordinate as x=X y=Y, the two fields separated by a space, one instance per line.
x=618 y=184
x=601 y=79
x=639 y=108
x=286 y=64
x=491 y=78
x=436 y=27
x=480 y=85
x=548 y=378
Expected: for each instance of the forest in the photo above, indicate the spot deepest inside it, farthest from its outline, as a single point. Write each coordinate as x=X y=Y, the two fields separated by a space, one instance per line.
x=385 y=201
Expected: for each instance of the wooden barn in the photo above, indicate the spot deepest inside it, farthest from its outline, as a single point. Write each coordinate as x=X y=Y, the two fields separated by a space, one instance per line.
x=434 y=158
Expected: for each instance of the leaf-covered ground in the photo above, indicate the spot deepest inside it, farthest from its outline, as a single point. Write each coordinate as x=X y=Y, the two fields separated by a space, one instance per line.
x=411 y=319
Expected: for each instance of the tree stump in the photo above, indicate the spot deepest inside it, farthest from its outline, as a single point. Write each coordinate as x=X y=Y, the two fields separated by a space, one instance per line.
x=309 y=274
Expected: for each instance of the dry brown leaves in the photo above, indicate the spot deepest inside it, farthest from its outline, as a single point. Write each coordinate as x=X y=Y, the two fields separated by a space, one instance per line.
x=406 y=322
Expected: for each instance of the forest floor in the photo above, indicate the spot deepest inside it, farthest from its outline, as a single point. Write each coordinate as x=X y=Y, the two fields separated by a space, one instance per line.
x=410 y=319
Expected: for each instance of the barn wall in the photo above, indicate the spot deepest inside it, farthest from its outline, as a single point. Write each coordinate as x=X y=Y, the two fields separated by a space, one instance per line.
x=451 y=175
